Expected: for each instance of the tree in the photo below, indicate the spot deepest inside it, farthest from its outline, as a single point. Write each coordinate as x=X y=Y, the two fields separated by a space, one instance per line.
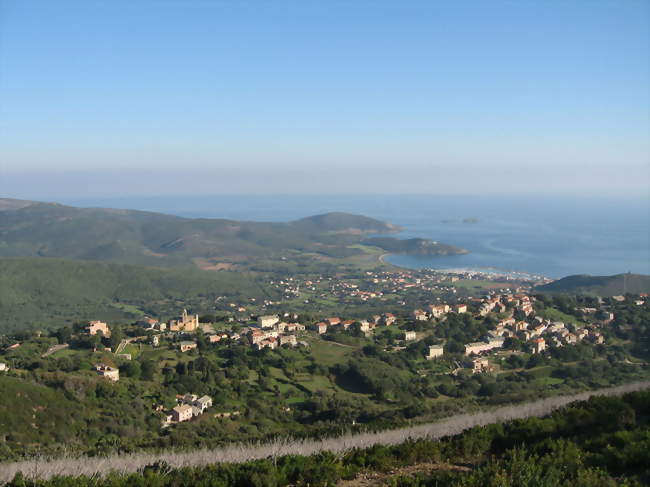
x=453 y=346
x=117 y=335
x=201 y=341
x=148 y=369
x=515 y=361
x=64 y=334
x=535 y=360
x=512 y=343
x=131 y=369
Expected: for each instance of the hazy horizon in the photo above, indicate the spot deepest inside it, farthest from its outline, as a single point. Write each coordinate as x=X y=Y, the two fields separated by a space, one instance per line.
x=58 y=186
x=128 y=98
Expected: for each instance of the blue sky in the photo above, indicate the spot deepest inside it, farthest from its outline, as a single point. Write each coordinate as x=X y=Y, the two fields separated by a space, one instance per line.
x=124 y=97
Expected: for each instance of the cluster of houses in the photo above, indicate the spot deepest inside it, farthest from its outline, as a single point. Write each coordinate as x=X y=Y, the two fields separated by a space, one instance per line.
x=537 y=331
x=499 y=304
x=374 y=284
x=438 y=311
x=183 y=323
x=385 y=319
x=490 y=304
x=273 y=333
x=189 y=406
x=401 y=281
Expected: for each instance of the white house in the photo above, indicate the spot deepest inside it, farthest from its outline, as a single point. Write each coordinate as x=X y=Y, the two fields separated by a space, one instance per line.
x=203 y=403
x=182 y=413
x=267 y=321
x=410 y=335
x=435 y=351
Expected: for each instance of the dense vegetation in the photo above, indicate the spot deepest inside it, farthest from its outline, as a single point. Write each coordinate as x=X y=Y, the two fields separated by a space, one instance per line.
x=46 y=293
x=41 y=293
x=341 y=380
x=605 y=286
x=604 y=441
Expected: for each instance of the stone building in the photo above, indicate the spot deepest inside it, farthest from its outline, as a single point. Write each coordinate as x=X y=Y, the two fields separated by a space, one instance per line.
x=185 y=322
x=95 y=327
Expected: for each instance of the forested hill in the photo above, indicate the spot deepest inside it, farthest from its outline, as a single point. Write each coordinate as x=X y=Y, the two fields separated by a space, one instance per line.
x=33 y=229
x=599 y=285
x=44 y=293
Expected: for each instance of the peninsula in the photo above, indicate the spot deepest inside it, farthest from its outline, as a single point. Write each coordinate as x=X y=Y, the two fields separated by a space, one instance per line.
x=35 y=229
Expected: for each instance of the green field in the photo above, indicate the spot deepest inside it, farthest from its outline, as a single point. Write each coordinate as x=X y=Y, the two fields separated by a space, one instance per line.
x=557 y=315
x=329 y=353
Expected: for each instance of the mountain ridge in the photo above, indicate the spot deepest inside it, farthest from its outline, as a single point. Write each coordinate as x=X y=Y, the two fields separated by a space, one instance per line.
x=38 y=229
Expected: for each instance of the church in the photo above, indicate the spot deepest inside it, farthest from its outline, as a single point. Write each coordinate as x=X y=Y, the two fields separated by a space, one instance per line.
x=185 y=322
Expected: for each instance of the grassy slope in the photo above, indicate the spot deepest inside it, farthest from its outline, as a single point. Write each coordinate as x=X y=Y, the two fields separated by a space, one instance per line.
x=44 y=415
x=51 y=292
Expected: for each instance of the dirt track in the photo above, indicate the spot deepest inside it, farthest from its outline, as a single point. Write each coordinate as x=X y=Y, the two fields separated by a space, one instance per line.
x=238 y=453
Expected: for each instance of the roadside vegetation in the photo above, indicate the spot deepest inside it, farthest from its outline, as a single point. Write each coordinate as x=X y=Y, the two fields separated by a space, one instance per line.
x=604 y=441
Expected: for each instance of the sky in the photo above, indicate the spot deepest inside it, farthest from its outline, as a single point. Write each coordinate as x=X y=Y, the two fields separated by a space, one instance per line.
x=444 y=97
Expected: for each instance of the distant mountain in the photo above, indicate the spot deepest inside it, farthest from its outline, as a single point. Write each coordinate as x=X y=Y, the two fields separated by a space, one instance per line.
x=598 y=285
x=34 y=229
x=42 y=292
x=344 y=222
x=13 y=204
x=414 y=246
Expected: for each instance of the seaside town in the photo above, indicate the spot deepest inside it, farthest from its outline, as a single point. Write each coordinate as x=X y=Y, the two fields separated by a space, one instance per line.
x=373 y=285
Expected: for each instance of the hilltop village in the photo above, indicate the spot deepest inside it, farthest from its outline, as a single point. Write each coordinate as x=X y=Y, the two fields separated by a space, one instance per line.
x=423 y=345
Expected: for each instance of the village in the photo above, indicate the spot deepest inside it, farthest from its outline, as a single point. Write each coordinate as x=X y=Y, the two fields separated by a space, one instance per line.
x=517 y=321
x=379 y=285
x=269 y=366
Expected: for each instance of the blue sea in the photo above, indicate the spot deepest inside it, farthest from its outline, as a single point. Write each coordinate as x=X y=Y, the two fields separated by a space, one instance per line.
x=549 y=236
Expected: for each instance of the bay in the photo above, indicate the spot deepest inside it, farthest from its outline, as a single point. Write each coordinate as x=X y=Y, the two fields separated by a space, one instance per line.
x=553 y=236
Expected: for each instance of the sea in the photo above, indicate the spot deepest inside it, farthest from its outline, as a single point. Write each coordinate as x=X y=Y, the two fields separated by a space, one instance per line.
x=551 y=236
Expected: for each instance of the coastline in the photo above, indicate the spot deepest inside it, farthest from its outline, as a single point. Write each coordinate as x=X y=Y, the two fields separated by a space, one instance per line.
x=488 y=272
x=603 y=225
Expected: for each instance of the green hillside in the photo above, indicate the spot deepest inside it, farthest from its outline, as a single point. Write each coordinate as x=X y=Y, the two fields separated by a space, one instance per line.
x=599 y=285
x=46 y=420
x=32 y=229
x=42 y=293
